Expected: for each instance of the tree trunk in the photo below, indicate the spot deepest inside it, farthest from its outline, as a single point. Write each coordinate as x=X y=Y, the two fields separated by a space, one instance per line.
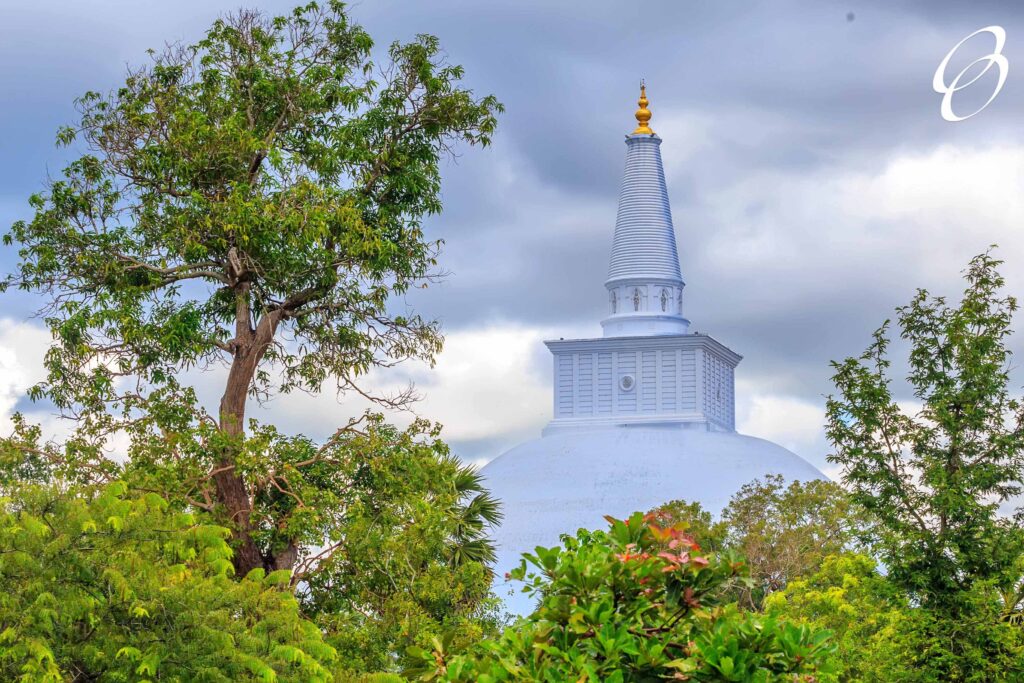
x=232 y=492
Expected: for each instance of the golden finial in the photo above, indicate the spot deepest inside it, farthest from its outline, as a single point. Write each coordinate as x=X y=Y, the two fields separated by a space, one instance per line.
x=643 y=114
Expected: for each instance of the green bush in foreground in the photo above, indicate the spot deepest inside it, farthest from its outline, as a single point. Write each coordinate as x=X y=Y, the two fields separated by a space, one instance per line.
x=109 y=587
x=638 y=602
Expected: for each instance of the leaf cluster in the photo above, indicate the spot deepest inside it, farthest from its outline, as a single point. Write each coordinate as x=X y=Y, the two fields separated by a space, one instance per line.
x=107 y=585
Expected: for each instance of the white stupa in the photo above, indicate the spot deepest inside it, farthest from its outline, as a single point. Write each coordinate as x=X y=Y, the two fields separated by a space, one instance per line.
x=644 y=414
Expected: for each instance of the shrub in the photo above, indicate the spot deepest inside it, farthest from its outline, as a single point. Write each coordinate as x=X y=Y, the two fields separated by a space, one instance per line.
x=638 y=602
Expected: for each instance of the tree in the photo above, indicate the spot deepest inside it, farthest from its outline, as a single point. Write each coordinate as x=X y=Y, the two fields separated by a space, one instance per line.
x=106 y=585
x=255 y=199
x=863 y=610
x=786 y=531
x=934 y=480
x=639 y=602
x=475 y=511
x=783 y=531
x=880 y=636
x=254 y=202
x=392 y=571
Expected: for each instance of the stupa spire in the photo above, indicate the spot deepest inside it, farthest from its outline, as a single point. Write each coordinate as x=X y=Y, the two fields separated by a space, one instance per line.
x=645 y=286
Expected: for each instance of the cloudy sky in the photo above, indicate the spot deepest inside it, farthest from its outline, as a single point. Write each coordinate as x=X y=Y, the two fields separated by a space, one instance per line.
x=814 y=184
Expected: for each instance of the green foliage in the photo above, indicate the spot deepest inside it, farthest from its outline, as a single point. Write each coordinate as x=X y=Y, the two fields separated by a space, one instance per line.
x=934 y=480
x=881 y=637
x=783 y=531
x=638 y=602
x=977 y=645
x=385 y=517
x=391 y=571
x=863 y=610
x=116 y=587
x=256 y=199
x=477 y=511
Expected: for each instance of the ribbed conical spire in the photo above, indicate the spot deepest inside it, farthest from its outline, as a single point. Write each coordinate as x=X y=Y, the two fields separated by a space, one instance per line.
x=645 y=240
x=644 y=282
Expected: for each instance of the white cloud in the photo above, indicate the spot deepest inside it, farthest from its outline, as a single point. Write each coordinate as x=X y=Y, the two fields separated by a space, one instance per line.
x=832 y=471
x=487 y=383
x=22 y=348
x=914 y=221
x=787 y=420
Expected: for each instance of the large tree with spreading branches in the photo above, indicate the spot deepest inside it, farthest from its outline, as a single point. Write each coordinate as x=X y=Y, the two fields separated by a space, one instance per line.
x=254 y=200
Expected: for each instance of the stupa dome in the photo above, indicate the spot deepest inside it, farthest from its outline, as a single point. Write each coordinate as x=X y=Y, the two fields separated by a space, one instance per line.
x=570 y=480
